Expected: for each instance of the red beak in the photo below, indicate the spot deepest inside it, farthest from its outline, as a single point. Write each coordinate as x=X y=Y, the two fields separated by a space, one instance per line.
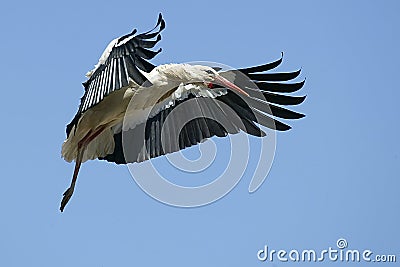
x=222 y=81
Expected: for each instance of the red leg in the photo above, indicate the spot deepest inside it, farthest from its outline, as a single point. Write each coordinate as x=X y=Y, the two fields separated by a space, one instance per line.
x=81 y=150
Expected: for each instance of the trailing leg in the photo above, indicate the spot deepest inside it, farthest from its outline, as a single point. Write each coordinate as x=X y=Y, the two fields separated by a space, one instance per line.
x=81 y=150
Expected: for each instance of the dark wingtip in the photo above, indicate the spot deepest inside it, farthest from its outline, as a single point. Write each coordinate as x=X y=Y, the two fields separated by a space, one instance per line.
x=261 y=68
x=162 y=27
x=301 y=84
x=293 y=100
x=301 y=99
x=296 y=73
x=281 y=59
x=284 y=129
x=161 y=22
x=296 y=116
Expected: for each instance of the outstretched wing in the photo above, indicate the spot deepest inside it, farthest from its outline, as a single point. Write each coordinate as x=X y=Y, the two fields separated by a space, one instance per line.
x=119 y=66
x=267 y=95
x=191 y=120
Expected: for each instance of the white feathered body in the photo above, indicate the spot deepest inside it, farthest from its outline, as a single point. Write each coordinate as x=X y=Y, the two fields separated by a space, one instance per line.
x=170 y=82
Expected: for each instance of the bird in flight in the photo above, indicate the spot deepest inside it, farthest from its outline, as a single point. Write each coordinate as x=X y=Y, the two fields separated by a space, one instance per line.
x=163 y=109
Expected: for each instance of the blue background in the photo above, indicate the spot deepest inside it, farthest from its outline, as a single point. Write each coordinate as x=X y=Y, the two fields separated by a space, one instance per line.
x=336 y=174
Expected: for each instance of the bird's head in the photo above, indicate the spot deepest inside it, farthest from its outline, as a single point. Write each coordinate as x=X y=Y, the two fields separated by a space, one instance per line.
x=204 y=75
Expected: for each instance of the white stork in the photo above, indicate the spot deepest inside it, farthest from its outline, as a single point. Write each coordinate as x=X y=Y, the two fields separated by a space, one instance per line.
x=124 y=75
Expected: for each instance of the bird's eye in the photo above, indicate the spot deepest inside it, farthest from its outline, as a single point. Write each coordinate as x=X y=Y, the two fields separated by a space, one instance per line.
x=209 y=71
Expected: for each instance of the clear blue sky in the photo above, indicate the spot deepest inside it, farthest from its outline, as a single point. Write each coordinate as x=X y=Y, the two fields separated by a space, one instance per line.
x=335 y=174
